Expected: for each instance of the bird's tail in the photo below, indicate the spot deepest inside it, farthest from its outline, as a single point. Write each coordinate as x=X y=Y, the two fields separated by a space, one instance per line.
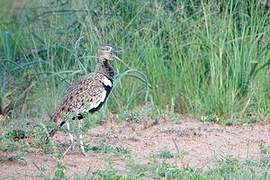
x=57 y=118
x=53 y=131
x=50 y=135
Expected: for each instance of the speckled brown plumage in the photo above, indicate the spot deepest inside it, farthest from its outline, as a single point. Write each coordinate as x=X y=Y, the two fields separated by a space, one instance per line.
x=89 y=93
x=82 y=97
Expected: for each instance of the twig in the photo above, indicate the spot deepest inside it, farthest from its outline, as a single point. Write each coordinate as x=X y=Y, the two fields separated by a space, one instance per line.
x=39 y=169
x=87 y=172
x=176 y=146
x=13 y=158
x=177 y=149
x=62 y=11
x=34 y=52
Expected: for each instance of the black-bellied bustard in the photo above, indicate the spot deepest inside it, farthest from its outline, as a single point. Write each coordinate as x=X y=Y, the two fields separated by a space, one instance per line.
x=87 y=94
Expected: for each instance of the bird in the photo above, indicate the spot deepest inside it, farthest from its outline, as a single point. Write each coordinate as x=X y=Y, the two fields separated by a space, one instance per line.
x=87 y=94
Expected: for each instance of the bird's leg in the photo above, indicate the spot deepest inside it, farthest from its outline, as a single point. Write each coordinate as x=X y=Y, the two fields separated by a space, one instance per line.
x=71 y=146
x=81 y=138
x=70 y=136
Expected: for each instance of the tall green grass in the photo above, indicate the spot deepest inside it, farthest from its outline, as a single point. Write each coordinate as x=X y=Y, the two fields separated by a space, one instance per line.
x=207 y=58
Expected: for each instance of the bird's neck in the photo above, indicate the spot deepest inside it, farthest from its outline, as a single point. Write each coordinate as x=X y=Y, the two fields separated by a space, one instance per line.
x=106 y=69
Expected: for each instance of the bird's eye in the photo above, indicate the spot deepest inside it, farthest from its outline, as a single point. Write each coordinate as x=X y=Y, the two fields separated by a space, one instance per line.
x=109 y=48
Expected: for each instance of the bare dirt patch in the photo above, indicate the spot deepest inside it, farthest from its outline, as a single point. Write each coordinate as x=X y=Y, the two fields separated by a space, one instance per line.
x=195 y=143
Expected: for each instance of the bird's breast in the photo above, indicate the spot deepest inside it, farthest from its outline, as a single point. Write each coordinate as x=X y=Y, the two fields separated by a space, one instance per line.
x=107 y=85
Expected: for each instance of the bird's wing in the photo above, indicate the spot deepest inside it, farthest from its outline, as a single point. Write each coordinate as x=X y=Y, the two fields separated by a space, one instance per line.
x=83 y=92
x=86 y=94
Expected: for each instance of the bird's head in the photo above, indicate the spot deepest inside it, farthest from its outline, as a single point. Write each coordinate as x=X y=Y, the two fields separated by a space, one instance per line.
x=106 y=53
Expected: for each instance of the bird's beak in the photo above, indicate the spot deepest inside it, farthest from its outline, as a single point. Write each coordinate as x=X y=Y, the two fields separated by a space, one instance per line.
x=116 y=52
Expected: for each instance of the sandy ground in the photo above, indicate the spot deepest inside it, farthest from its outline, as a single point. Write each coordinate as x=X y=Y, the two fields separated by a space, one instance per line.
x=197 y=144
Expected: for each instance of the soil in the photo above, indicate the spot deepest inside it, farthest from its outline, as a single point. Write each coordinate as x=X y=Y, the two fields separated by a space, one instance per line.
x=197 y=144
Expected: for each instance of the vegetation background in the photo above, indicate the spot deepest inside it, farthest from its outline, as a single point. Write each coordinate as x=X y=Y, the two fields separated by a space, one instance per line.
x=204 y=58
x=208 y=59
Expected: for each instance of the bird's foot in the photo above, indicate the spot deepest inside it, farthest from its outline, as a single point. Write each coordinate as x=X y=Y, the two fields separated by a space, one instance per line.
x=83 y=150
